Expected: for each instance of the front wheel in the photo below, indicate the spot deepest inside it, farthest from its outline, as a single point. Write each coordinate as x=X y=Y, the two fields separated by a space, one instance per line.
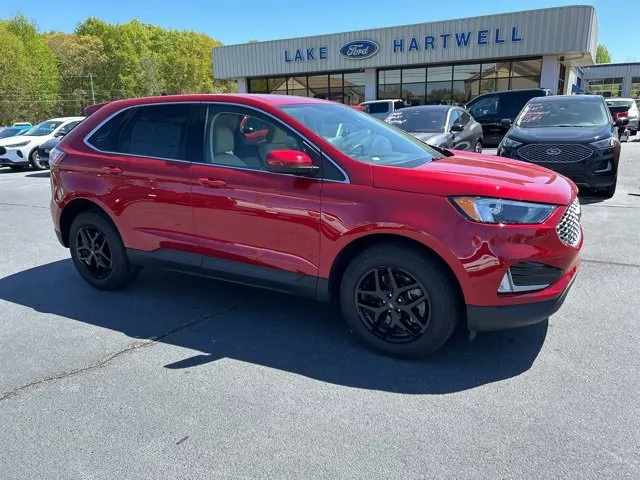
x=36 y=161
x=399 y=301
x=98 y=252
x=478 y=147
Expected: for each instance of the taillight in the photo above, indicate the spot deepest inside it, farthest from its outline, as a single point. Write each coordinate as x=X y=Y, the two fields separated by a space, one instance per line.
x=56 y=156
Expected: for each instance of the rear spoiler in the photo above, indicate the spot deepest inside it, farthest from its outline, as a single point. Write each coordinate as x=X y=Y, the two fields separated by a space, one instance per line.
x=93 y=108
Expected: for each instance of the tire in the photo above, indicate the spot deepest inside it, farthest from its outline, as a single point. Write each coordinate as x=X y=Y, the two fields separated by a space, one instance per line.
x=34 y=160
x=87 y=226
x=437 y=287
x=477 y=147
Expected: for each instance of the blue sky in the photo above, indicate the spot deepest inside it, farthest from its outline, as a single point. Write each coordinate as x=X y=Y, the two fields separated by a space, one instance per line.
x=238 y=21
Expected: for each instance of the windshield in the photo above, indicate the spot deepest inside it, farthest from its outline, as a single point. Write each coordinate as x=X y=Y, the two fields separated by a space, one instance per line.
x=378 y=107
x=419 y=120
x=361 y=136
x=44 y=128
x=563 y=114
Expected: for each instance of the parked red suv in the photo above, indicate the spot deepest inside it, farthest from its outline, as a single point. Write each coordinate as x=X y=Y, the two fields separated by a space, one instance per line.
x=330 y=203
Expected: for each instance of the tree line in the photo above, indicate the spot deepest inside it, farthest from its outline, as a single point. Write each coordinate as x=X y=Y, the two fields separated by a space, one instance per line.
x=48 y=74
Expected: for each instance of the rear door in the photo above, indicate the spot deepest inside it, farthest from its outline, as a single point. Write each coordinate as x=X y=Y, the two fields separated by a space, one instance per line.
x=144 y=164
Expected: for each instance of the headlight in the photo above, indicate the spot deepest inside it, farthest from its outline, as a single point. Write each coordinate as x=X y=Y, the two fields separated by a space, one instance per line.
x=498 y=211
x=509 y=143
x=606 y=143
x=17 y=145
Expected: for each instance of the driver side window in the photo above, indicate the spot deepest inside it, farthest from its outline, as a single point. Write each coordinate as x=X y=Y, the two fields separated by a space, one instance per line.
x=239 y=137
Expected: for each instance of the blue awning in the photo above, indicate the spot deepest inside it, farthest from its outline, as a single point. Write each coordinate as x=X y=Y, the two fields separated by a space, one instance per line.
x=576 y=89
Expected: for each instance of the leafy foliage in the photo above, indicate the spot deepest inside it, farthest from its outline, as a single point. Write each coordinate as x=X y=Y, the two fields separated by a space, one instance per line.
x=603 y=55
x=47 y=74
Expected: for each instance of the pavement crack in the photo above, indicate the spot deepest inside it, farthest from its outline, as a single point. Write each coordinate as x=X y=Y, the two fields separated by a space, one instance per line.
x=22 y=205
x=605 y=262
x=129 y=349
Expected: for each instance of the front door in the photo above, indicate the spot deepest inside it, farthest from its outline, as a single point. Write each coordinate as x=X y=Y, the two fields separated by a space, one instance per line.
x=254 y=225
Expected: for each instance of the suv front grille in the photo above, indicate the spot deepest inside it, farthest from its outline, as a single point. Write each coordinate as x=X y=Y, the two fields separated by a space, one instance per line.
x=569 y=231
x=551 y=153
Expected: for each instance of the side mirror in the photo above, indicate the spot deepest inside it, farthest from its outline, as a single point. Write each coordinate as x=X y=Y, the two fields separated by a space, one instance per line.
x=621 y=121
x=505 y=122
x=292 y=162
x=456 y=127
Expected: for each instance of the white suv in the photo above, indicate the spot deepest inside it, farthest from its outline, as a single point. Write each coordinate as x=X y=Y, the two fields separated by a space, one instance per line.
x=382 y=108
x=18 y=152
x=626 y=107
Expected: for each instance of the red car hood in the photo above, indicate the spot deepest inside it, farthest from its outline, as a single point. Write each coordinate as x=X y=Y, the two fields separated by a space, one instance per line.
x=479 y=175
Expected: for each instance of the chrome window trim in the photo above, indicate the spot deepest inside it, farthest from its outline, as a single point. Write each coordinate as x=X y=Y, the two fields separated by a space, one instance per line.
x=85 y=140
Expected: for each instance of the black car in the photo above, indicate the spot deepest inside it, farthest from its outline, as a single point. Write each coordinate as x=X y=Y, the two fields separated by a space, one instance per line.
x=45 y=149
x=573 y=135
x=491 y=108
x=440 y=125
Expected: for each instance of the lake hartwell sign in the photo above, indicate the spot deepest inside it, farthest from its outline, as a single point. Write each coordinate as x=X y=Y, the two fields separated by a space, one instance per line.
x=361 y=49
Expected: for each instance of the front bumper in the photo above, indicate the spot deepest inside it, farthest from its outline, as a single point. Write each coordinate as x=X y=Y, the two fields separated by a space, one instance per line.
x=13 y=156
x=600 y=170
x=482 y=318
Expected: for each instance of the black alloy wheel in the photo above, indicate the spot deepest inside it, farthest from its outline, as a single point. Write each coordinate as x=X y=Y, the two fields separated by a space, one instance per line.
x=392 y=304
x=98 y=252
x=400 y=299
x=93 y=250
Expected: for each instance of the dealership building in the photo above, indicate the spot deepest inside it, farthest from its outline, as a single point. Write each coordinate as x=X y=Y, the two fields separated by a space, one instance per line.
x=426 y=63
x=612 y=79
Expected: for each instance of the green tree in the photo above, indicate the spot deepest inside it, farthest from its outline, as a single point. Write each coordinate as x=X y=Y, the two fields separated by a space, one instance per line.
x=603 y=55
x=14 y=68
x=77 y=57
x=39 y=94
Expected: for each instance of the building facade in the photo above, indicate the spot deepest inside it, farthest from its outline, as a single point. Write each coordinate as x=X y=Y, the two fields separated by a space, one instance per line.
x=612 y=79
x=439 y=62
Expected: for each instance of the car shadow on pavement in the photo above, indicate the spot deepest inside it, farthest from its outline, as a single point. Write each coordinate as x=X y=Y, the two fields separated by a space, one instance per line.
x=39 y=175
x=222 y=320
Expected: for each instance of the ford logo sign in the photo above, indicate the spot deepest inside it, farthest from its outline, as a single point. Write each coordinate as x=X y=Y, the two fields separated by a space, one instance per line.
x=359 y=49
x=553 y=151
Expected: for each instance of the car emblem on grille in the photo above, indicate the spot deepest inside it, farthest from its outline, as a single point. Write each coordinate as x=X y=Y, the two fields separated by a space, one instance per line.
x=553 y=151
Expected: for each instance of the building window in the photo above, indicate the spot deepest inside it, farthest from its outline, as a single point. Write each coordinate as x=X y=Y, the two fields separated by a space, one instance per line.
x=561 y=79
x=457 y=84
x=635 y=87
x=607 y=87
x=343 y=87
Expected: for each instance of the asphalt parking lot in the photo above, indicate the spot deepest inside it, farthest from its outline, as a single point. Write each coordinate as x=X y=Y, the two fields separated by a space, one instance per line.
x=184 y=377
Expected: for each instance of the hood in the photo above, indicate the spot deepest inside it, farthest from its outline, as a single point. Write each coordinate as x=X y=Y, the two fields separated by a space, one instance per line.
x=432 y=138
x=560 y=134
x=480 y=175
x=19 y=139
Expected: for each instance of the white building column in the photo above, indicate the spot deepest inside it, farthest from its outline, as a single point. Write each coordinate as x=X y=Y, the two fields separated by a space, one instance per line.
x=550 y=72
x=370 y=92
x=242 y=85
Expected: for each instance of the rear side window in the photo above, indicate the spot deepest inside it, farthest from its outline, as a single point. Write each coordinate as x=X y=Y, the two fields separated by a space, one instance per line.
x=464 y=118
x=397 y=105
x=151 y=131
x=484 y=107
x=511 y=104
x=379 y=107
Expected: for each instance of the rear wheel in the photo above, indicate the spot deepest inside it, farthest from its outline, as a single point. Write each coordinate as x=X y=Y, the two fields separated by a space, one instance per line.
x=478 y=147
x=36 y=161
x=98 y=253
x=399 y=301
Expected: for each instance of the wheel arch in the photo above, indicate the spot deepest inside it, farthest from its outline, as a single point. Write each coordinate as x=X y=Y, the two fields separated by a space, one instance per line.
x=74 y=208
x=353 y=248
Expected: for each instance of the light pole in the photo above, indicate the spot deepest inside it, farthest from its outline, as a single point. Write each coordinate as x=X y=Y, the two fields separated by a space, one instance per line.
x=93 y=93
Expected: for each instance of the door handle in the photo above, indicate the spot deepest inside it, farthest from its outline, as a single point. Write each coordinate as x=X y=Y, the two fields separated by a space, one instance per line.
x=212 y=182
x=112 y=170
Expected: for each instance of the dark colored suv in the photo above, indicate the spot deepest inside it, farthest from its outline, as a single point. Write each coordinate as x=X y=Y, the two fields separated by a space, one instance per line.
x=571 y=134
x=317 y=199
x=491 y=108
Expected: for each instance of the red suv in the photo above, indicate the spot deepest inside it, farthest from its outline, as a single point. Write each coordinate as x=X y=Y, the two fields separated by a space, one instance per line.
x=327 y=202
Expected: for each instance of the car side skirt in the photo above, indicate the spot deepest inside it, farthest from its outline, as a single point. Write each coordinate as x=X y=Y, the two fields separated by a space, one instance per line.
x=307 y=286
